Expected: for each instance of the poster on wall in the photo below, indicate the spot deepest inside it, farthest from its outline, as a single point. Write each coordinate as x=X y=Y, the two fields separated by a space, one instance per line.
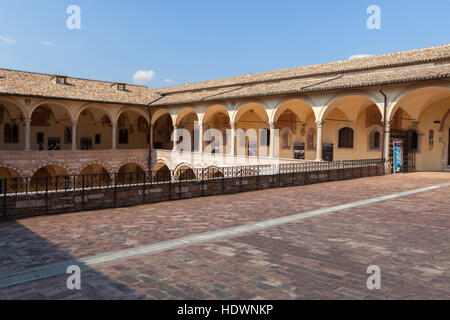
x=398 y=157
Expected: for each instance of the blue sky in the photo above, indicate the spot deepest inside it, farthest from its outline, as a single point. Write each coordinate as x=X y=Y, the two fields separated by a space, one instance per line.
x=193 y=40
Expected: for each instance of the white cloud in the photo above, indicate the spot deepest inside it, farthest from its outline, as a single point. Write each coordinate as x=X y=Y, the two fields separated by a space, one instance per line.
x=357 y=56
x=47 y=43
x=7 y=40
x=167 y=80
x=142 y=76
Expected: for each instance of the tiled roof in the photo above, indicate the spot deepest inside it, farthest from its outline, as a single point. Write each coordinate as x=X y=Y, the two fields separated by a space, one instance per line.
x=413 y=65
x=407 y=66
x=20 y=83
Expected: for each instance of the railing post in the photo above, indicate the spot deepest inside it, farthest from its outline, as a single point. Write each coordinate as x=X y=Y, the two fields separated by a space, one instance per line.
x=46 y=195
x=4 y=185
x=115 y=190
x=143 y=187
x=82 y=192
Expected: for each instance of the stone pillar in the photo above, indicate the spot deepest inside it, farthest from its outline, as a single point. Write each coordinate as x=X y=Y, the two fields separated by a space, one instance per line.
x=114 y=135
x=272 y=140
x=151 y=136
x=74 y=135
x=175 y=137
x=200 y=141
x=387 y=139
x=27 y=134
x=232 y=139
x=319 y=148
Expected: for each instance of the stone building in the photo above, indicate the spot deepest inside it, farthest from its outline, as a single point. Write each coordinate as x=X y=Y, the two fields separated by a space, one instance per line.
x=352 y=109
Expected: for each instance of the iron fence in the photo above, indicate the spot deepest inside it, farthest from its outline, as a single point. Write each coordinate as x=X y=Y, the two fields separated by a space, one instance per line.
x=45 y=186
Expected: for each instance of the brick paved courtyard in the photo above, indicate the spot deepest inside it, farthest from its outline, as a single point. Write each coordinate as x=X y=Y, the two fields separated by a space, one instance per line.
x=322 y=257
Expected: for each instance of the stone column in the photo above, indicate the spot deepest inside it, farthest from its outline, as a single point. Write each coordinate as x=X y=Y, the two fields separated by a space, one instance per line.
x=232 y=139
x=175 y=137
x=272 y=140
x=151 y=135
x=27 y=134
x=387 y=133
x=319 y=148
x=200 y=141
x=74 y=135
x=114 y=135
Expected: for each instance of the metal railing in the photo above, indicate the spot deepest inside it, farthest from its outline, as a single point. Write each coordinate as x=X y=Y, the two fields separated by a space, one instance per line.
x=46 y=188
x=49 y=184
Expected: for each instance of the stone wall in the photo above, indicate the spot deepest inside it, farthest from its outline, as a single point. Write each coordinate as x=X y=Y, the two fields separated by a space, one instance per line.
x=19 y=206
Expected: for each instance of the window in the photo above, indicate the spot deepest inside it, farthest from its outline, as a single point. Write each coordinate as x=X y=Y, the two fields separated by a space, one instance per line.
x=7 y=133
x=61 y=79
x=54 y=143
x=123 y=136
x=15 y=134
x=40 y=138
x=98 y=139
x=346 y=138
x=121 y=86
x=375 y=140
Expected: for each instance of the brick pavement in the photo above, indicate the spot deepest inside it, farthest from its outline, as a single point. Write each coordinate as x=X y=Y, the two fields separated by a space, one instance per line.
x=324 y=257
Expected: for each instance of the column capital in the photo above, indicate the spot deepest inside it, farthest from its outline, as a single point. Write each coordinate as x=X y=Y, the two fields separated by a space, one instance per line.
x=272 y=125
x=320 y=124
x=74 y=122
x=27 y=120
x=233 y=125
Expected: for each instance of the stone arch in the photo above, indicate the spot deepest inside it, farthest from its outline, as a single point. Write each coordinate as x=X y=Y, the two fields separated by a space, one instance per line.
x=162 y=131
x=366 y=99
x=49 y=177
x=136 y=163
x=305 y=103
x=212 y=172
x=97 y=163
x=11 y=178
x=131 y=109
x=418 y=96
x=102 y=108
x=161 y=172
x=216 y=117
x=52 y=104
x=184 y=171
x=185 y=111
x=158 y=113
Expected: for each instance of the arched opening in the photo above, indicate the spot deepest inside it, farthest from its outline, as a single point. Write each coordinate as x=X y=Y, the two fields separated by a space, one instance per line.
x=346 y=136
x=10 y=179
x=132 y=130
x=131 y=173
x=348 y=131
x=94 y=175
x=216 y=118
x=212 y=173
x=419 y=120
x=253 y=132
x=51 y=128
x=162 y=132
x=294 y=119
x=50 y=177
x=11 y=127
x=94 y=129
x=184 y=173
x=161 y=173
x=187 y=120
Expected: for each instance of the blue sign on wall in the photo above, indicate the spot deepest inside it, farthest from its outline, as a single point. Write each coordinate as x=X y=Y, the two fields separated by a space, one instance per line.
x=398 y=157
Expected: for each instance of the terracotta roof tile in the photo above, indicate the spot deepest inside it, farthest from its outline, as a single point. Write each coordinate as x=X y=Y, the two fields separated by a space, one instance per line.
x=22 y=83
